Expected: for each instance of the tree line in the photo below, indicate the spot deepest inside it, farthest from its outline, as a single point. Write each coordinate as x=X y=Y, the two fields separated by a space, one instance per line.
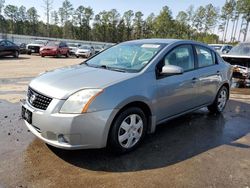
x=110 y=26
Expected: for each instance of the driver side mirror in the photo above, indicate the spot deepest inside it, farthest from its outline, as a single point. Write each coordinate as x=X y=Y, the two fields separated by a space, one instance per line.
x=171 y=70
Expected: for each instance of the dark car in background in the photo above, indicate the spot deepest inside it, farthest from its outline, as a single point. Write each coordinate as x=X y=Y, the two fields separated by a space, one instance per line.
x=98 y=49
x=22 y=47
x=8 y=48
x=55 y=48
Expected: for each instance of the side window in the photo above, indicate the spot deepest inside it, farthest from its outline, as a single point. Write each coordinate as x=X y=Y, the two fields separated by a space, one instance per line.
x=2 y=43
x=205 y=57
x=181 y=56
x=9 y=43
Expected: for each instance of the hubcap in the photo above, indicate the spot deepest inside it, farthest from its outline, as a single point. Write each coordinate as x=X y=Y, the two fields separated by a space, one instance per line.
x=130 y=131
x=222 y=99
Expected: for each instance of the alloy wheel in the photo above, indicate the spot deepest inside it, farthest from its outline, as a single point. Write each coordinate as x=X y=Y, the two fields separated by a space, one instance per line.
x=222 y=99
x=130 y=131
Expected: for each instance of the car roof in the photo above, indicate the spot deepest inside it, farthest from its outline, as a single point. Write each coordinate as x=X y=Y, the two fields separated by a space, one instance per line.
x=155 y=40
x=165 y=41
x=219 y=44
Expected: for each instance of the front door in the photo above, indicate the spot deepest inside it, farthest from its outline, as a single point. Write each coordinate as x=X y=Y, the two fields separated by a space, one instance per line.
x=177 y=93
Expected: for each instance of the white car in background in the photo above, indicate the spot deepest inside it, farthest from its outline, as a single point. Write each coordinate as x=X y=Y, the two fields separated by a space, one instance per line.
x=85 y=51
x=73 y=48
x=35 y=46
x=221 y=48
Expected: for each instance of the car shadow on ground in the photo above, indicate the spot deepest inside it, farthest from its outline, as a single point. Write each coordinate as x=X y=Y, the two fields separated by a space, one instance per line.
x=181 y=139
x=13 y=58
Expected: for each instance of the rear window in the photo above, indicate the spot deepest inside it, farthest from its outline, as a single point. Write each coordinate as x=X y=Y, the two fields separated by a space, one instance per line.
x=205 y=56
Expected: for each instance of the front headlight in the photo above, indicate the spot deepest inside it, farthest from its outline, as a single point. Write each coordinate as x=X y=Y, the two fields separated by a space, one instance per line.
x=80 y=101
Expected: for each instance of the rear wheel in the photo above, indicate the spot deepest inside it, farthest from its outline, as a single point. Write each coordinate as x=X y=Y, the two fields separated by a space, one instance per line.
x=221 y=100
x=128 y=130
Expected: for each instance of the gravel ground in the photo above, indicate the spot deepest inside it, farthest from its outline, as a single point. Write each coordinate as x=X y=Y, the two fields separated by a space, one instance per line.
x=196 y=150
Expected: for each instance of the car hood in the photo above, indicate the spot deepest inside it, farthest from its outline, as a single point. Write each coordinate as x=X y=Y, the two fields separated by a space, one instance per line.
x=83 y=50
x=38 y=45
x=49 y=47
x=63 y=82
x=235 y=56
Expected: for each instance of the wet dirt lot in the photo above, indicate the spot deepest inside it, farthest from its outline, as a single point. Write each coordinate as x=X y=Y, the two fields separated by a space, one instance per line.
x=196 y=150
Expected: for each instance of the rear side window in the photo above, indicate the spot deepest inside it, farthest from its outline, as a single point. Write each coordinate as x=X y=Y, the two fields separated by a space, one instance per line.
x=181 y=56
x=205 y=56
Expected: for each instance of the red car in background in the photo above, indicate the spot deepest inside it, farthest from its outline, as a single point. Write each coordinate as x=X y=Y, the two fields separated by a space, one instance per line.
x=55 y=48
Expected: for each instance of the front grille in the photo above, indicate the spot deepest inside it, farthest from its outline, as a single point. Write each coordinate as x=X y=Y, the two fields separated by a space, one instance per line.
x=35 y=48
x=38 y=100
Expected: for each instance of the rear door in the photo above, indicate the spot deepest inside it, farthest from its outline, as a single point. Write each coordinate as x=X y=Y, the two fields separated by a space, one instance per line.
x=208 y=74
x=176 y=93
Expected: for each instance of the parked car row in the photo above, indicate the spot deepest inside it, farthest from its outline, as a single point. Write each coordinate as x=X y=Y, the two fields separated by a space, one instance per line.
x=48 y=48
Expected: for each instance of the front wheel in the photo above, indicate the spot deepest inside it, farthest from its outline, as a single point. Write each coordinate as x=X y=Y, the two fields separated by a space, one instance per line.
x=67 y=55
x=16 y=54
x=220 y=102
x=128 y=130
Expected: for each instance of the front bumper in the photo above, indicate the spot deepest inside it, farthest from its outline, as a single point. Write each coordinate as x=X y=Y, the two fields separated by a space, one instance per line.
x=33 y=49
x=48 y=53
x=80 y=131
x=82 y=54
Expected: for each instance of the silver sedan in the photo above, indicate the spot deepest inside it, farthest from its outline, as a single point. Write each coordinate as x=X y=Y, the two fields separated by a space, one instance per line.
x=116 y=97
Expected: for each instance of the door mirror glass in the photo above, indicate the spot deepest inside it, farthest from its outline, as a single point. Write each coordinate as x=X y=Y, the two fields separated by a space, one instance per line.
x=171 y=70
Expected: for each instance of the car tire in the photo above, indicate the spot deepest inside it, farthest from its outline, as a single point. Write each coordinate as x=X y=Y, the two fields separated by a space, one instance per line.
x=77 y=56
x=67 y=55
x=220 y=101
x=16 y=54
x=128 y=130
x=29 y=53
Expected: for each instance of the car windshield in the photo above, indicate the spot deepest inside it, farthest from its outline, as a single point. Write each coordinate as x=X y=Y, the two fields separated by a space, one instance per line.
x=39 y=42
x=126 y=57
x=84 y=47
x=241 y=49
x=53 y=43
x=72 y=45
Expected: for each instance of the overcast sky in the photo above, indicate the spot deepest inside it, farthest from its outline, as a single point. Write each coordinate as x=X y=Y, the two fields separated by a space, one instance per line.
x=145 y=6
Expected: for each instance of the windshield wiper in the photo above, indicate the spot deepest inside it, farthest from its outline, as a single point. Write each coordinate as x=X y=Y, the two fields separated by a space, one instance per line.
x=117 y=69
x=105 y=67
x=112 y=68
